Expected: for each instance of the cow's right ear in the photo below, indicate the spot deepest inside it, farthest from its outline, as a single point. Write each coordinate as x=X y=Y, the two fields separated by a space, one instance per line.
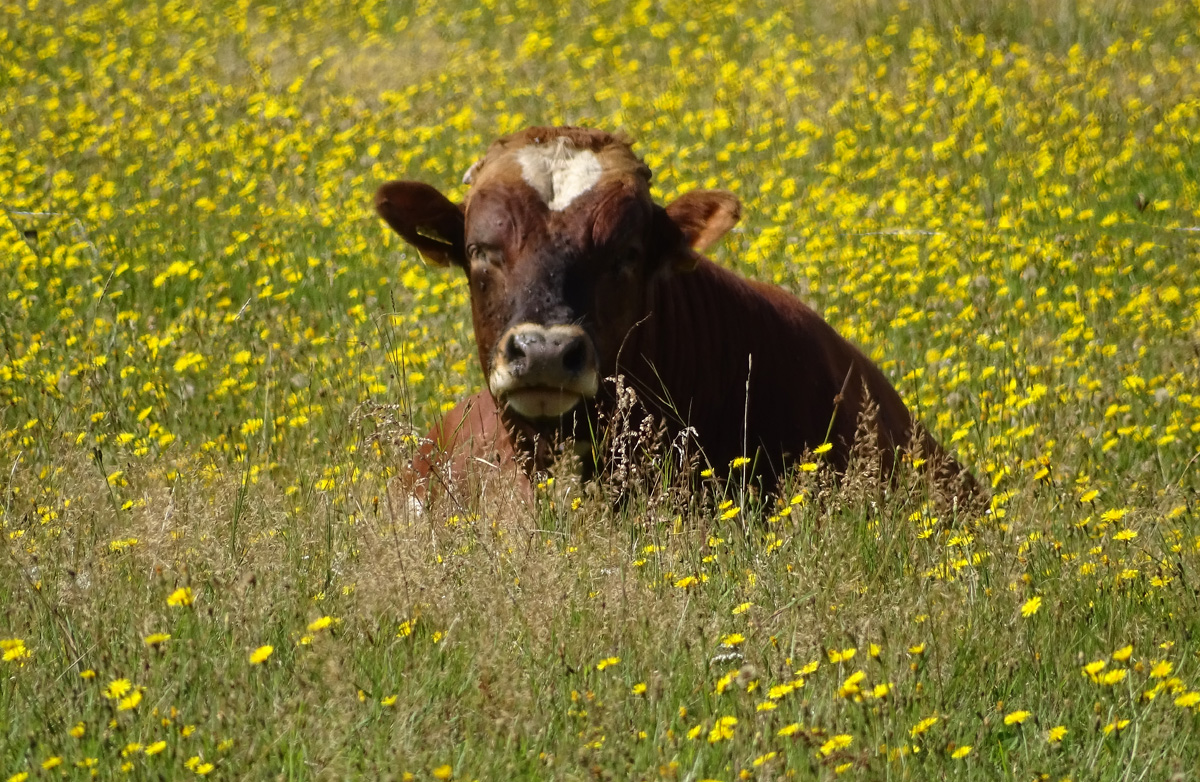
x=703 y=217
x=426 y=219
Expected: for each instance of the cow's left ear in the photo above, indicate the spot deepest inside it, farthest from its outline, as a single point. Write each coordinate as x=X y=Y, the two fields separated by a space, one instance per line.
x=703 y=217
x=426 y=219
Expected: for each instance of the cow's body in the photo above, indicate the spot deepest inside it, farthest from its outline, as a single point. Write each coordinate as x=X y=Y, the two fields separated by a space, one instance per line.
x=690 y=338
x=806 y=386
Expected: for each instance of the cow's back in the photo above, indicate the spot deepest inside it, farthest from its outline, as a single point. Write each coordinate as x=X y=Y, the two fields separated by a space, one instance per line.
x=712 y=335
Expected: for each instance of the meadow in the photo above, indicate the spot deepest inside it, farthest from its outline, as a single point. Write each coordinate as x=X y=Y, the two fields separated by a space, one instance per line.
x=216 y=361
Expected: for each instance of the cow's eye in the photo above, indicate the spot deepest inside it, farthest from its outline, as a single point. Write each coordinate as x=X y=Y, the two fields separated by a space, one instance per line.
x=483 y=255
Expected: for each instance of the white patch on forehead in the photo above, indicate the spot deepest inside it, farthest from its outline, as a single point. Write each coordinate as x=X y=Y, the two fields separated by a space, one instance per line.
x=559 y=173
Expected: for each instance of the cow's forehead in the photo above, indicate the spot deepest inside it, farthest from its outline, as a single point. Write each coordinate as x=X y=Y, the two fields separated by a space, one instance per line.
x=558 y=164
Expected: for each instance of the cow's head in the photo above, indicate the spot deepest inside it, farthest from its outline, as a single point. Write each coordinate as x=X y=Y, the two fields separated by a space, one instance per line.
x=561 y=243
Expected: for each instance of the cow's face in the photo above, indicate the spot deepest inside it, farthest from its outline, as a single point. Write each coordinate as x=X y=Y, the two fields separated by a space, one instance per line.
x=561 y=243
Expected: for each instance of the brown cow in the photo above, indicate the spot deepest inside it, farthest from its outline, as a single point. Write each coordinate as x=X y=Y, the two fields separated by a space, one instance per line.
x=576 y=275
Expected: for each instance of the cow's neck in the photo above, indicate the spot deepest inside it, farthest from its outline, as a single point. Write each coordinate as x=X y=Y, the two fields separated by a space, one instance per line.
x=673 y=354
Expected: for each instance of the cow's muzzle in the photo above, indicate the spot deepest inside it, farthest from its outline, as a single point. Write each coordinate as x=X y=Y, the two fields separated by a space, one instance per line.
x=542 y=372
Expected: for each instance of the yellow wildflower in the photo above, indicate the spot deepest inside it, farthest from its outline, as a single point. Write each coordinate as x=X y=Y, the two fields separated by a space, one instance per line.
x=840 y=741
x=1187 y=700
x=1016 y=717
x=722 y=730
x=117 y=688
x=259 y=655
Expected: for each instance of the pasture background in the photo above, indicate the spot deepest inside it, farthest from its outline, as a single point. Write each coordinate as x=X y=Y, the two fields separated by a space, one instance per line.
x=215 y=357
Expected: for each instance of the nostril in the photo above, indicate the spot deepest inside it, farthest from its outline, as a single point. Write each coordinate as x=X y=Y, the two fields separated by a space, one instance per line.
x=514 y=350
x=574 y=357
x=524 y=345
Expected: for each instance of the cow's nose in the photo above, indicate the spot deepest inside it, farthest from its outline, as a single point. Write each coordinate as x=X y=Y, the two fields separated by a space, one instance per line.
x=541 y=351
x=541 y=371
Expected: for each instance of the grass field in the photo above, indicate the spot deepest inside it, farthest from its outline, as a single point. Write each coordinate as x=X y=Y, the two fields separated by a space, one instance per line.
x=215 y=357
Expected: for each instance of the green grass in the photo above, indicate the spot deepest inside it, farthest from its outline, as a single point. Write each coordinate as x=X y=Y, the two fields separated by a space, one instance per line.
x=215 y=361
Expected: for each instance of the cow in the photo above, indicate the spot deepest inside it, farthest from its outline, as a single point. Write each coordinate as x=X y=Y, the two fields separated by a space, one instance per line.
x=577 y=276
